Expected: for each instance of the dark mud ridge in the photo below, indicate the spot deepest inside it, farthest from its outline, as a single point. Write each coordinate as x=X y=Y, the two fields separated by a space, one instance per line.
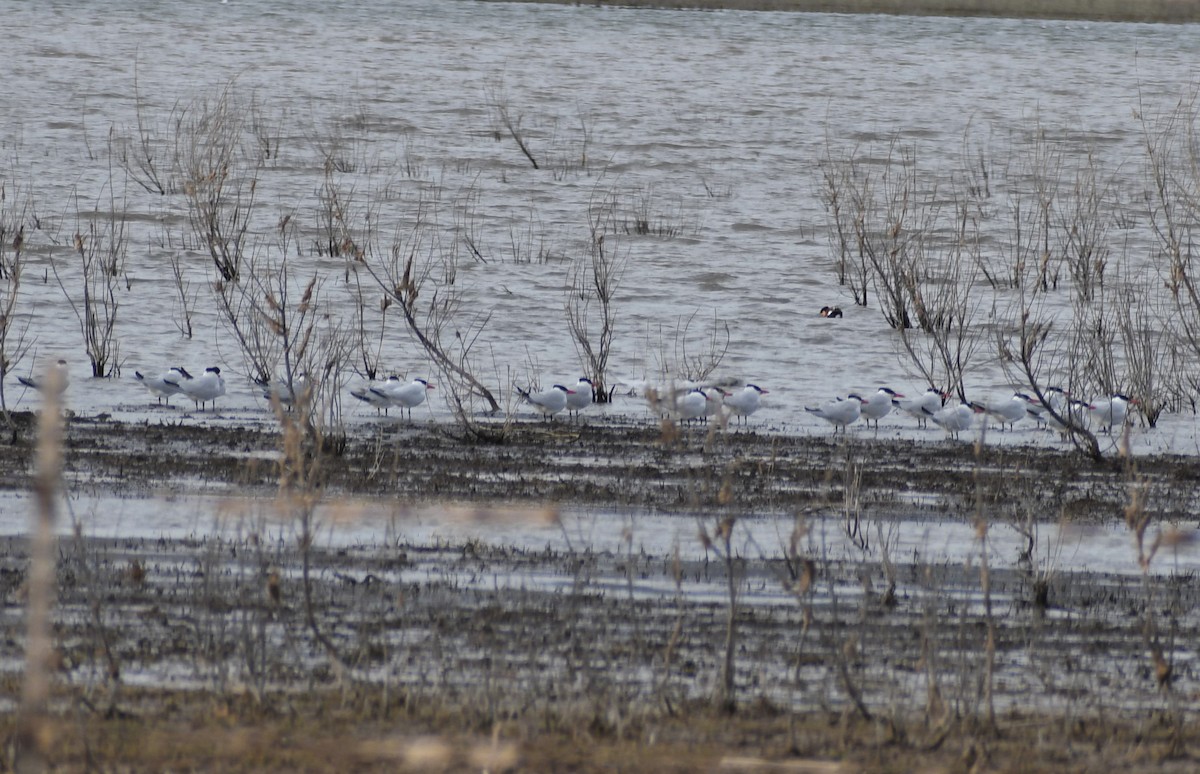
x=622 y=464
x=252 y=653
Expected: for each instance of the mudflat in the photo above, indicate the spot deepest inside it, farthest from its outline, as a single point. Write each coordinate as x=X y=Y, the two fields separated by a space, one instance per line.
x=270 y=647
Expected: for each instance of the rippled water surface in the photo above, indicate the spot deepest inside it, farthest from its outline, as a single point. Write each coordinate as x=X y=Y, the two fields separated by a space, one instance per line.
x=710 y=123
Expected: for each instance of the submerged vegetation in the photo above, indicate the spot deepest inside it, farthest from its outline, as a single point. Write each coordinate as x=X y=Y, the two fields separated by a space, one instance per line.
x=1038 y=260
x=1031 y=254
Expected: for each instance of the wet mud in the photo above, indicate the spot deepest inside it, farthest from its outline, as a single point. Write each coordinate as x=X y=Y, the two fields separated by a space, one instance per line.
x=674 y=662
x=621 y=463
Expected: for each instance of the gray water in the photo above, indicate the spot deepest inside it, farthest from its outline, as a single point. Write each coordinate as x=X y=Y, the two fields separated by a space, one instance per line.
x=713 y=122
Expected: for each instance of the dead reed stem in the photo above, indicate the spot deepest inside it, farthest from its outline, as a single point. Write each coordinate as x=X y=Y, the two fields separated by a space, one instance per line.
x=34 y=742
x=985 y=582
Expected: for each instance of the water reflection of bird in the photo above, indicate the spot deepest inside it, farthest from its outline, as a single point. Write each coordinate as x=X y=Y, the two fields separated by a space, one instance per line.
x=831 y=311
x=161 y=386
x=203 y=389
x=840 y=413
x=549 y=402
x=40 y=384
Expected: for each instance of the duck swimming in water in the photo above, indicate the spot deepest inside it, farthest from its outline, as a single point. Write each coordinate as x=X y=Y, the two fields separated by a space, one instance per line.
x=831 y=311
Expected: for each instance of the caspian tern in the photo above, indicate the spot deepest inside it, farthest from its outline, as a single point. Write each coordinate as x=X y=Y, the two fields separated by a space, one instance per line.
x=1033 y=408
x=1111 y=412
x=1073 y=411
x=745 y=401
x=40 y=384
x=716 y=399
x=1057 y=398
x=691 y=405
x=159 y=386
x=880 y=405
x=663 y=397
x=921 y=407
x=204 y=388
x=1008 y=412
x=405 y=396
x=582 y=397
x=840 y=413
x=955 y=419
x=550 y=401
x=374 y=394
x=278 y=389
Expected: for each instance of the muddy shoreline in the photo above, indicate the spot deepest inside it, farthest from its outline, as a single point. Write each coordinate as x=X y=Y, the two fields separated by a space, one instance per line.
x=620 y=463
x=290 y=653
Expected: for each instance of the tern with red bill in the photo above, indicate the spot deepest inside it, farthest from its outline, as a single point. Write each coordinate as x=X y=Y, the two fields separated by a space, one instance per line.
x=582 y=396
x=880 y=405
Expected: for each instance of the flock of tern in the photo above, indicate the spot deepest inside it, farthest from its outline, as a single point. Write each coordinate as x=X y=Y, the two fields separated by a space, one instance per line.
x=683 y=402
x=1054 y=411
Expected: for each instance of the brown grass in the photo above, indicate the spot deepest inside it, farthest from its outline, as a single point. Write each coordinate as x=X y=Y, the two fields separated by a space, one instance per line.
x=324 y=732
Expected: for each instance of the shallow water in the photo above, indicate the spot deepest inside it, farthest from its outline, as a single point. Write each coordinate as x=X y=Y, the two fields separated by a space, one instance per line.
x=1062 y=548
x=711 y=124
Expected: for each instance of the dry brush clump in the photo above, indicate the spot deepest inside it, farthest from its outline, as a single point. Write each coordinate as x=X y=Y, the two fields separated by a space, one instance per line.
x=1172 y=194
x=16 y=211
x=100 y=243
x=220 y=179
x=418 y=275
x=590 y=301
x=294 y=344
x=1039 y=255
